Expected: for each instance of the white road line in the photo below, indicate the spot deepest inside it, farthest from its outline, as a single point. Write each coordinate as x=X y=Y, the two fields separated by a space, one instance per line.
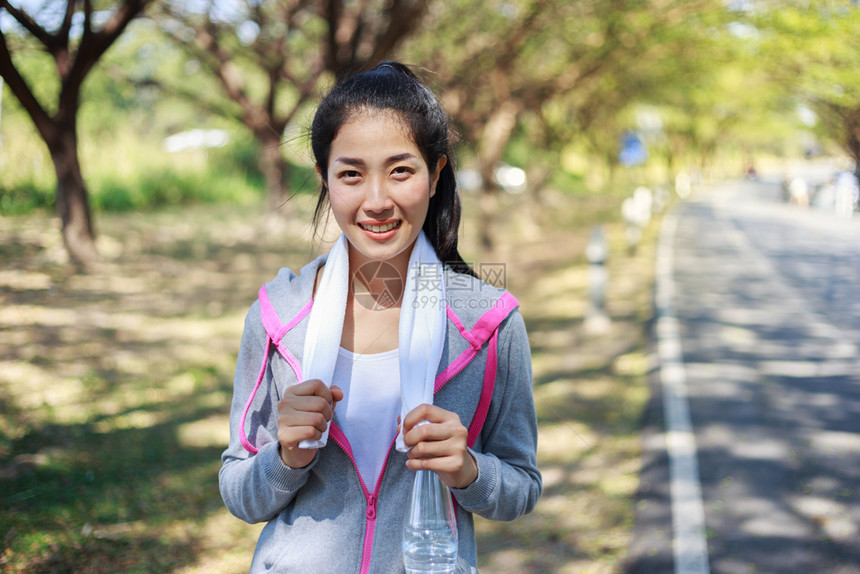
x=689 y=544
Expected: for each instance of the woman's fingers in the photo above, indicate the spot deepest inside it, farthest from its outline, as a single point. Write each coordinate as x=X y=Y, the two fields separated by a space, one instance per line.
x=432 y=432
x=438 y=442
x=418 y=418
x=311 y=396
x=315 y=387
x=303 y=414
x=432 y=423
x=429 y=413
x=291 y=436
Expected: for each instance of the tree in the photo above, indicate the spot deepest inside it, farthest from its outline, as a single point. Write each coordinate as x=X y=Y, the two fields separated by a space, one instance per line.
x=501 y=61
x=270 y=57
x=76 y=34
x=665 y=56
x=811 y=49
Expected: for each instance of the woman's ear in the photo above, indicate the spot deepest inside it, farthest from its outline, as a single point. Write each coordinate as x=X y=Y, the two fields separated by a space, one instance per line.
x=443 y=161
x=322 y=175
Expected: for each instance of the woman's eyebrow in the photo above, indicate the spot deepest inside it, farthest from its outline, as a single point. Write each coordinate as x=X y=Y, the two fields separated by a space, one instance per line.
x=400 y=157
x=350 y=161
x=361 y=163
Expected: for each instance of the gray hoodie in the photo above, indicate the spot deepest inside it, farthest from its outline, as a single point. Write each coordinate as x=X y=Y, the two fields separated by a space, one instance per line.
x=322 y=518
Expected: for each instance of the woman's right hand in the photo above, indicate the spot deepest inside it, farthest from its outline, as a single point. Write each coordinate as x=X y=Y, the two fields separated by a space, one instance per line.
x=303 y=414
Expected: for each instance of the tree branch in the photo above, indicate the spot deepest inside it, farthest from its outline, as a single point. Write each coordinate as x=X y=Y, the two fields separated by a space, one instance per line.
x=114 y=27
x=403 y=17
x=332 y=13
x=30 y=25
x=65 y=28
x=353 y=44
x=22 y=91
x=93 y=46
x=88 y=16
x=213 y=106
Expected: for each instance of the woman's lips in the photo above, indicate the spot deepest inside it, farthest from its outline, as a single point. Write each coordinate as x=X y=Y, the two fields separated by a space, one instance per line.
x=380 y=228
x=380 y=232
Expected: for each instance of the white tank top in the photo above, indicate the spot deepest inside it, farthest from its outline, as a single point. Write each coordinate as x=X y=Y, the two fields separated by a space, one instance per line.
x=368 y=412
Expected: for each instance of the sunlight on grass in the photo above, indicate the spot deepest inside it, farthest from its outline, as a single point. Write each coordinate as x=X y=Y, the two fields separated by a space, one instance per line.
x=211 y=431
x=564 y=442
x=589 y=397
x=115 y=390
x=565 y=291
x=132 y=420
x=24 y=280
x=228 y=545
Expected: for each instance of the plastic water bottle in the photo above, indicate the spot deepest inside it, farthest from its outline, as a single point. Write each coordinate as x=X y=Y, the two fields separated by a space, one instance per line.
x=430 y=529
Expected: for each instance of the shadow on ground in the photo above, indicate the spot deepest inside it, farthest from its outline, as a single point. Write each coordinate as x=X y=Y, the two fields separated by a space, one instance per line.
x=115 y=389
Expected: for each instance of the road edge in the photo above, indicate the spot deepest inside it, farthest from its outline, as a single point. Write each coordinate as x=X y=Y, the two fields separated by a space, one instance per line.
x=669 y=526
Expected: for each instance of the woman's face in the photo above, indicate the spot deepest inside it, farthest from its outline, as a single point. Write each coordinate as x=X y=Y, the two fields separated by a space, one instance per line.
x=379 y=186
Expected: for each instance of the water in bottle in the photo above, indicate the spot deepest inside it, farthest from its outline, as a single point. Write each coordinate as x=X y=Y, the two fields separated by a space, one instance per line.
x=430 y=529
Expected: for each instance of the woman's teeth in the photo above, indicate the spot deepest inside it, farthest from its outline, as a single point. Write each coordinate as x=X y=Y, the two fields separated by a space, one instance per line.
x=380 y=228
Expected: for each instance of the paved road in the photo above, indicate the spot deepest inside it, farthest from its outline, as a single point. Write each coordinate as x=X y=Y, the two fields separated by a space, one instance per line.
x=768 y=302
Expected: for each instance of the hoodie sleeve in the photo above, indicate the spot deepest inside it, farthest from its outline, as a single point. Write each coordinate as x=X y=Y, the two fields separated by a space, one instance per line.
x=256 y=487
x=509 y=482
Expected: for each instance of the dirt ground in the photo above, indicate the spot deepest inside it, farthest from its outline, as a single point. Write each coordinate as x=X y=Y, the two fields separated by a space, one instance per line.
x=115 y=385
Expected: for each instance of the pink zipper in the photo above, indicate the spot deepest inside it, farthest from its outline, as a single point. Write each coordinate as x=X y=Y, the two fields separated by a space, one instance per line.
x=370 y=510
x=338 y=436
x=369 y=531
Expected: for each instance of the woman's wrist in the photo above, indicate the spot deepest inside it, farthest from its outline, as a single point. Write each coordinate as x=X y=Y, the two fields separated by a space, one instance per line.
x=469 y=474
x=289 y=462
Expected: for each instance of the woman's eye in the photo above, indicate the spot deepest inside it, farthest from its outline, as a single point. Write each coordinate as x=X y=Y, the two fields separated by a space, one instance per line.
x=402 y=171
x=349 y=174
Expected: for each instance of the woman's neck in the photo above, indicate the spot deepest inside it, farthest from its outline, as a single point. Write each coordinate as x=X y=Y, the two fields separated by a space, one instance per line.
x=378 y=284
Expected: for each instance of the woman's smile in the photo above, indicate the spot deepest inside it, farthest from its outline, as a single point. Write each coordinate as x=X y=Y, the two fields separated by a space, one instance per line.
x=379 y=228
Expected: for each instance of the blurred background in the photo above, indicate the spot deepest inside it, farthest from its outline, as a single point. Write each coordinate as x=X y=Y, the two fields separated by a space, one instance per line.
x=155 y=170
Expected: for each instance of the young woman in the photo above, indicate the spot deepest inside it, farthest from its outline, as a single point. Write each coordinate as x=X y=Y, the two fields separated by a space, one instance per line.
x=389 y=340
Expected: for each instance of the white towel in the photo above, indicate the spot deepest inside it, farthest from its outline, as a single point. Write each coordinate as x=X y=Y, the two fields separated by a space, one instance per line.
x=325 y=324
x=421 y=331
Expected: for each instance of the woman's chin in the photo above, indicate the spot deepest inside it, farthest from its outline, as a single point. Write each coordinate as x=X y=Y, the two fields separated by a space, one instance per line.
x=382 y=249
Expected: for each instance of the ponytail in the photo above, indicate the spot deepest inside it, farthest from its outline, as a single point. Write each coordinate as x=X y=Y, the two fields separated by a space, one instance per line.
x=443 y=221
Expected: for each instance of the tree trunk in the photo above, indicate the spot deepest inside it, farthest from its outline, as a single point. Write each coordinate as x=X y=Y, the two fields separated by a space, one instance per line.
x=533 y=200
x=73 y=205
x=274 y=168
x=487 y=206
x=494 y=137
x=853 y=139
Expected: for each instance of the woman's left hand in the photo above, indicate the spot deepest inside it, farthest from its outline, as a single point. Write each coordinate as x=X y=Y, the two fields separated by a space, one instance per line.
x=439 y=446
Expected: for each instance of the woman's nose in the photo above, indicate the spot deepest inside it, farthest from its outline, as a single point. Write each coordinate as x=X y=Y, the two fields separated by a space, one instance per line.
x=377 y=198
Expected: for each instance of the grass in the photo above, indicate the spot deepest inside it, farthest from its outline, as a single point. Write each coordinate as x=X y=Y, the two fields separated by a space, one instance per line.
x=127 y=171
x=115 y=386
x=590 y=392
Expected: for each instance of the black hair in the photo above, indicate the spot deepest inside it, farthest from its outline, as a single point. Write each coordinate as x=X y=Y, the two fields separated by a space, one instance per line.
x=393 y=86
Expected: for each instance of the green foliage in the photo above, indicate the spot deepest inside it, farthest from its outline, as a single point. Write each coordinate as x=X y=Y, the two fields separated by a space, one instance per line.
x=38 y=70
x=26 y=173
x=125 y=171
x=168 y=187
x=719 y=79
x=24 y=199
x=570 y=183
x=810 y=51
